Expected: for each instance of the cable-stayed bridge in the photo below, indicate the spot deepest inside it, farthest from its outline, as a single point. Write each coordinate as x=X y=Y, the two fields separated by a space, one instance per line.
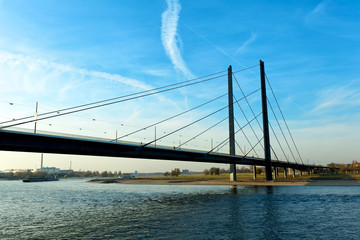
x=238 y=131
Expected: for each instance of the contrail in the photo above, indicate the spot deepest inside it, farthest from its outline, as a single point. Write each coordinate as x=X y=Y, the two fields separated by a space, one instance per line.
x=169 y=36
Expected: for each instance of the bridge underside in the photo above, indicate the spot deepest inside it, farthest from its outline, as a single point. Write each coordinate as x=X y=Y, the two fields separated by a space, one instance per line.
x=29 y=142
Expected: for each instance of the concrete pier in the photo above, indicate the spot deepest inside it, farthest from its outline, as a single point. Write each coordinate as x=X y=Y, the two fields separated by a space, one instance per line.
x=276 y=171
x=233 y=177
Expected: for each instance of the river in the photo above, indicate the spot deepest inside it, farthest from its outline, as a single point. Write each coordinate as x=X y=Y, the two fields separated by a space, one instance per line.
x=77 y=209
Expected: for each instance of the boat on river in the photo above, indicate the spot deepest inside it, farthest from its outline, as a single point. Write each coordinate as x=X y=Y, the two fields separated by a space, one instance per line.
x=41 y=179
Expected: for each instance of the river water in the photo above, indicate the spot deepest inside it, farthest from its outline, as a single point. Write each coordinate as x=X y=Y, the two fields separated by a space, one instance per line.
x=77 y=209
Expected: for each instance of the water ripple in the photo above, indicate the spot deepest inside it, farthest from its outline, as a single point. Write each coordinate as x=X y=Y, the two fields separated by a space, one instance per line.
x=75 y=209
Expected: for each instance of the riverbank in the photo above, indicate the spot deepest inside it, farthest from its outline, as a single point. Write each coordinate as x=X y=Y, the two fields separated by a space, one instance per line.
x=314 y=180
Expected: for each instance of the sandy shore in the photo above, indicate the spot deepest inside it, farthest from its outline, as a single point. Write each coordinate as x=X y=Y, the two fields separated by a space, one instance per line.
x=149 y=181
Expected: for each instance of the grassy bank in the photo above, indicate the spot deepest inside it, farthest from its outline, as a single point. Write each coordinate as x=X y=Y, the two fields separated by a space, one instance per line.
x=261 y=177
x=243 y=179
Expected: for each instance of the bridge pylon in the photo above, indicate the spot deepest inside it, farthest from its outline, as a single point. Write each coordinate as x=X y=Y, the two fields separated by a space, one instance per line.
x=267 y=152
x=231 y=124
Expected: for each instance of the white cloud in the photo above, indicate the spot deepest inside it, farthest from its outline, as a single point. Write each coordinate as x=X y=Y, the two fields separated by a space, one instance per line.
x=157 y=72
x=24 y=73
x=170 y=38
x=337 y=96
x=317 y=12
x=116 y=77
x=246 y=44
x=30 y=79
x=320 y=8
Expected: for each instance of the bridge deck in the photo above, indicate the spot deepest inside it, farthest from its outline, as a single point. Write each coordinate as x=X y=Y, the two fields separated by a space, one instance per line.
x=30 y=142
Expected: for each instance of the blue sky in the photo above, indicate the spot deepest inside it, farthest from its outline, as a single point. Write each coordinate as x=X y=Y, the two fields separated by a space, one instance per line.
x=63 y=53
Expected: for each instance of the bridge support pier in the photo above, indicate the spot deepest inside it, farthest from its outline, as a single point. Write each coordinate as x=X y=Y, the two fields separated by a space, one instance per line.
x=232 y=177
x=309 y=171
x=285 y=172
x=294 y=173
x=254 y=172
x=276 y=172
x=300 y=173
x=232 y=172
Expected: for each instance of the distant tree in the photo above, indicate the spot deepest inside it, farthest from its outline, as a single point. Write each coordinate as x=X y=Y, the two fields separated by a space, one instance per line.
x=70 y=174
x=23 y=174
x=104 y=174
x=355 y=166
x=87 y=174
x=175 y=172
x=166 y=174
x=206 y=172
x=333 y=167
x=214 y=171
x=259 y=170
x=10 y=175
x=19 y=175
x=222 y=170
x=40 y=174
x=53 y=174
x=243 y=170
x=344 y=168
x=357 y=169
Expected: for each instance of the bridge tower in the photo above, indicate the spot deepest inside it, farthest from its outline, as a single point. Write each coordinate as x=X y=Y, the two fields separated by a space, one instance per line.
x=231 y=125
x=267 y=152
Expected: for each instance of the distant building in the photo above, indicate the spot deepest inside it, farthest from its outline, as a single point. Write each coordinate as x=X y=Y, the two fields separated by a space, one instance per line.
x=17 y=170
x=54 y=170
x=49 y=169
x=355 y=164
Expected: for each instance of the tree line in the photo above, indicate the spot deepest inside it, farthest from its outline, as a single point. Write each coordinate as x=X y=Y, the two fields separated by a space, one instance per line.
x=218 y=171
x=353 y=167
x=214 y=171
x=174 y=173
x=70 y=174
